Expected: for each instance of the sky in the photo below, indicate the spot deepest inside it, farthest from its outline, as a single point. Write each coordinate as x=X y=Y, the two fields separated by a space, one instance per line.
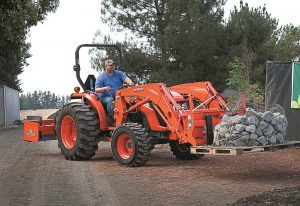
x=75 y=22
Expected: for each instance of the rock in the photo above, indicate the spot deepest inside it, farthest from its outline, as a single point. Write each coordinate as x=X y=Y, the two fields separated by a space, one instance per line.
x=279 y=120
x=259 y=132
x=284 y=127
x=227 y=135
x=244 y=120
x=274 y=121
x=217 y=127
x=268 y=131
x=279 y=128
x=245 y=133
x=222 y=131
x=226 y=118
x=251 y=128
x=216 y=136
x=240 y=127
x=251 y=112
x=262 y=125
x=276 y=114
x=255 y=143
x=272 y=139
x=236 y=119
x=232 y=128
x=282 y=119
x=277 y=108
x=245 y=138
x=235 y=136
x=239 y=143
x=225 y=124
x=217 y=143
x=263 y=140
x=252 y=143
x=229 y=144
x=280 y=138
x=267 y=116
x=253 y=137
x=253 y=120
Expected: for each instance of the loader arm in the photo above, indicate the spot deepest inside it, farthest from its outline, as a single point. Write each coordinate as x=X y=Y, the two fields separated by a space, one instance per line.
x=158 y=96
x=193 y=124
x=203 y=91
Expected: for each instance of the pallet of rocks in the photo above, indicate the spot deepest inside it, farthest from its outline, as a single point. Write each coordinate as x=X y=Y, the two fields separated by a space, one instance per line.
x=233 y=151
x=252 y=129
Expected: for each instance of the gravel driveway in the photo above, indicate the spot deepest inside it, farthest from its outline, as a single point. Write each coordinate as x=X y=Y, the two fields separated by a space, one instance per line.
x=36 y=174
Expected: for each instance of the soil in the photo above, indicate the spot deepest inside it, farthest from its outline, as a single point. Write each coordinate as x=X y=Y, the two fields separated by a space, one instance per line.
x=45 y=113
x=285 y=196
x=37 y=174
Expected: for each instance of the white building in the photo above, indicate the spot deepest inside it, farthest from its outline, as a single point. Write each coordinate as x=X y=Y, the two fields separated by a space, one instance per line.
x=9 y=105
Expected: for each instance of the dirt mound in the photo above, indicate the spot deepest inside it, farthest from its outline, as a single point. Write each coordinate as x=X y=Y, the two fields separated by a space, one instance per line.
x=38 y=112
x=285 y=196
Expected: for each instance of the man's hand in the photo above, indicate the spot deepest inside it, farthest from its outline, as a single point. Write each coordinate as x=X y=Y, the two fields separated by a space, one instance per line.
x=128 y=81
x=107 y=88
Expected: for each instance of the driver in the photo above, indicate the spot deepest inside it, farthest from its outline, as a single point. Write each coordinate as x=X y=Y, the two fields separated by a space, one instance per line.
x=107 y=84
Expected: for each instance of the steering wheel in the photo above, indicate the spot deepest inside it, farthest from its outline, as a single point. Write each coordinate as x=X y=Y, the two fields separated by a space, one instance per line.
x=124 y=86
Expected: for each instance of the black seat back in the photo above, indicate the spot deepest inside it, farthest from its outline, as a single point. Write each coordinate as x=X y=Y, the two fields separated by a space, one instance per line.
x=90 y=82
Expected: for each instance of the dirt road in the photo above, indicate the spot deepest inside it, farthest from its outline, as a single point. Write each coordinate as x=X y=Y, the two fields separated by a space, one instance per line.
x=36 y=174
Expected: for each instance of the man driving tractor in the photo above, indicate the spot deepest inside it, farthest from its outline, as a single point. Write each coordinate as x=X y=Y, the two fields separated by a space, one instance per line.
x=107 y=84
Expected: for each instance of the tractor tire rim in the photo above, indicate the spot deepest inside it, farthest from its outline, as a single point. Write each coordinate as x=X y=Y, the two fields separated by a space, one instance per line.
x=68 y=132
x=125 y=146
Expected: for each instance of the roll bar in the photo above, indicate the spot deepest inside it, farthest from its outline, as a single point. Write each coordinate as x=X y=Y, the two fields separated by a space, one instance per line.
x=76 y=67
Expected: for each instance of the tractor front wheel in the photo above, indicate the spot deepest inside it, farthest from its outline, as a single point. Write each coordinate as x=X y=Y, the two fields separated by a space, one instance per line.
x=77 y=131
x=182 y=151
x=131 y=145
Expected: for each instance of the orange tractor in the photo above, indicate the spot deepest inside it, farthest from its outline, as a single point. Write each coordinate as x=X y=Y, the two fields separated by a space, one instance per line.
x=183 y=116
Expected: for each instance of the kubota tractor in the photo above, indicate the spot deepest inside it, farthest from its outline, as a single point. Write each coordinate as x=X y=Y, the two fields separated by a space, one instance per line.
x=183 y=116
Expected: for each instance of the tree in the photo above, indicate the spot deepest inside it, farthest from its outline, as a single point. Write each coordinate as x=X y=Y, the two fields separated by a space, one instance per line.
x=42 y=100
x=16 y=18
x=288 y=45
x=183 y=37
x=251 y=34
x=237 y=80
x=193 y=42
x=145 y=18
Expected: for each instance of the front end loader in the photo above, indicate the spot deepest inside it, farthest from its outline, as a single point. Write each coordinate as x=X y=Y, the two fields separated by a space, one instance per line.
x=144 y=115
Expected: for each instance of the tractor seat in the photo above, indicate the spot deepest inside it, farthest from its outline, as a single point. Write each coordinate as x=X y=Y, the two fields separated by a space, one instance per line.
x=90 y=83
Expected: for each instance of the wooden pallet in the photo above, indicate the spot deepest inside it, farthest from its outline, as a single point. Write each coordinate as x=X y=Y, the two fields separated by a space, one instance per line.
x=233 y=151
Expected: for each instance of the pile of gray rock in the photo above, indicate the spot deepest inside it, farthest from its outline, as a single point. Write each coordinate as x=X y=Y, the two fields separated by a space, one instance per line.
x=252 y=129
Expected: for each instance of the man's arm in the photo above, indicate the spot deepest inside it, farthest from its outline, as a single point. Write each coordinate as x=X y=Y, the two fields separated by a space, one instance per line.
x=128 y=81
x=102 y=89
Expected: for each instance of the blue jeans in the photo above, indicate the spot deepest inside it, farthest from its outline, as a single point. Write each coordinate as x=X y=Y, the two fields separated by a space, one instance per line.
x=109 y=105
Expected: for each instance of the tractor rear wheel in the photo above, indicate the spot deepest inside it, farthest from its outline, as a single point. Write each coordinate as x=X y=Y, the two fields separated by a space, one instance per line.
x=182 y=151
x=77 y=131
x=131 y=145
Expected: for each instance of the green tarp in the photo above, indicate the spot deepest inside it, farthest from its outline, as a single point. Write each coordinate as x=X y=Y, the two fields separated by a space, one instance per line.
x=295 y=102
